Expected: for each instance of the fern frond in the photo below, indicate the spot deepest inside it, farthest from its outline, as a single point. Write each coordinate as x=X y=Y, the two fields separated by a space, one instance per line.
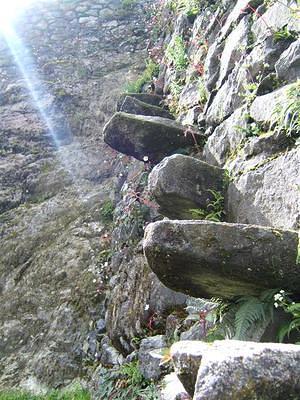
x=251 y=310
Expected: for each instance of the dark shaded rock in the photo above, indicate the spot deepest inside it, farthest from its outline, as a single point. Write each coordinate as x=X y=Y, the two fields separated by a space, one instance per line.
x=109 y=356
x=141 y=136
x=288 y=65
x=235 y=370
x=186 y=356
x=150 y=356
x=132 y=105
x=152 y=99
x=212 y=65
x=206 y=259
x=182 y=183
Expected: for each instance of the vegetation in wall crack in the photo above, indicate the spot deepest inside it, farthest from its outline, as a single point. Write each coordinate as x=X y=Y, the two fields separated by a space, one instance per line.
x=286 y=116
x=176 y=54
x=241 y=318
x=151 y=71
x=107 y=211
x=125 y=383
x=214 y=210
x=190 y=8
x=283 y=300
x=285 y=34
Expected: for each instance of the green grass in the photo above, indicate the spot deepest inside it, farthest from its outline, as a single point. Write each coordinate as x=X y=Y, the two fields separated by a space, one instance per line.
x=76 y=394
x=152 y=70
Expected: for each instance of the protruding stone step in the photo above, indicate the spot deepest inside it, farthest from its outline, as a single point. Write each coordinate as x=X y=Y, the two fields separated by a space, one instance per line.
x=142 y=136
x=233 y=369
x=206 y=259
x=186 y=356
x=132 y=105
x=148 y=98
x=181 y=184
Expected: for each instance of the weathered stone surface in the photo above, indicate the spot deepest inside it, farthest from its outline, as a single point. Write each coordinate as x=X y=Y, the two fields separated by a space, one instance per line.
x=212 y=64
x=226 y=139
x=267 y=193
x=264 y=107
x=141 y=136
x=186 y=356
x=208 y=259
x=151 y=99
x=234 y=50
x=109 y=356
x=235 y=370
x=150 y=356
x=288 y=65
x=235 y=91
x=181 y=183
x=132 y=105
x=172 y=389
x=277 y=16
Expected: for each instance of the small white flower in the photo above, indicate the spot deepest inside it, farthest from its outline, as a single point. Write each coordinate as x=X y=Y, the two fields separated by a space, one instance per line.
x=276 y=305
x=146 y=307
x=281 y=291
x=145 y=158
x=94 y=280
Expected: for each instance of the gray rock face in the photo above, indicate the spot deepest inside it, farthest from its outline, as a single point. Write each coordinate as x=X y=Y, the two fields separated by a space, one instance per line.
x=132 y=105
x=263 y=107
x=140 y=136
x=186 y=356
x=267 y=182
x=234 y=370
x=226 y=139
x=288 y=65
x=206 y=259
x=150 y=356
x=181 y=183
x=234 y=50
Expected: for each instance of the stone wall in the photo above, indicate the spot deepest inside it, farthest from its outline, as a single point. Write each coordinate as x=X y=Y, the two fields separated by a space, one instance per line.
x=59 y=82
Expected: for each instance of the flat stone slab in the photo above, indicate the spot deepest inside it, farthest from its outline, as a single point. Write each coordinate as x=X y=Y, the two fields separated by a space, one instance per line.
x=214 y=259
x=238 y=370
x=132 y=105
x=181 y=184
x=143 y=136
x=148 y=98
x=186 y=356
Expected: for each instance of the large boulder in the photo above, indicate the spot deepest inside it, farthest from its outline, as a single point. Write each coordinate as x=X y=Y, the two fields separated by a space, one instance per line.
x=235 y=370
x=186 y=356
x=181 y=184
x=133 y=105
x=142 y=136
x=206 y=259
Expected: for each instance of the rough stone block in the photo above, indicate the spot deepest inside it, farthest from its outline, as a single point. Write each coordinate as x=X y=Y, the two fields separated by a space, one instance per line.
x=181 y=183
x=236 y=370
x=142 y=136
x=206 y=259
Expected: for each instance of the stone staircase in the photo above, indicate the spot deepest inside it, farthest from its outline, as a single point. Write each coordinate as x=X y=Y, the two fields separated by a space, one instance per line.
x=204 y=258
x=199 y=257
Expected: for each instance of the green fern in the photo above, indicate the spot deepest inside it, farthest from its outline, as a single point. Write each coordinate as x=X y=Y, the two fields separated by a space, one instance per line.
x=251 y=310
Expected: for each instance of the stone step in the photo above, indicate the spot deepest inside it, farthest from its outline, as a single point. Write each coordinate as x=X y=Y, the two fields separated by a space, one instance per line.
x=148 y=98
x=143 y=136
x=233 y=369
x=182 y=184
x=132 y=105
x=211 y=259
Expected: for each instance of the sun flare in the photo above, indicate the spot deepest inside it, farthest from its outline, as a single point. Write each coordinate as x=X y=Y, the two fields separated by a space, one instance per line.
x=10 y=9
